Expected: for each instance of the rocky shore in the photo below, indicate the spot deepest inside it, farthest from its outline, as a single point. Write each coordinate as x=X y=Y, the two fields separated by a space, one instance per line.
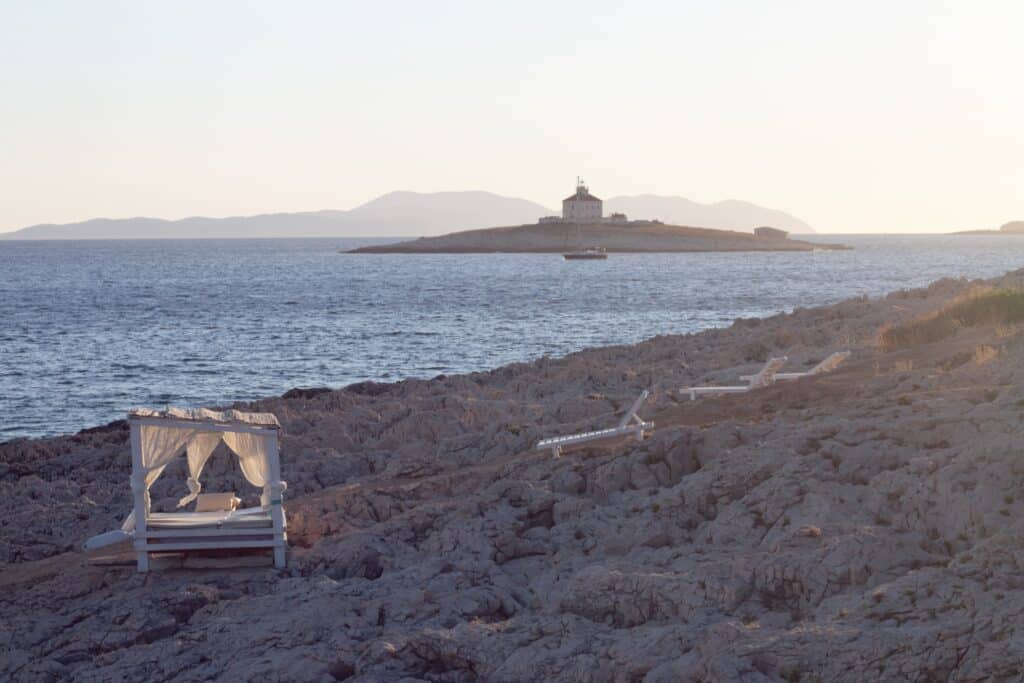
x=862 y=525
x=560 y=237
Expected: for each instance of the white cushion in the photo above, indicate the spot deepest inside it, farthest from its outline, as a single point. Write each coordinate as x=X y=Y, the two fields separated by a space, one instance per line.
x=215 y=502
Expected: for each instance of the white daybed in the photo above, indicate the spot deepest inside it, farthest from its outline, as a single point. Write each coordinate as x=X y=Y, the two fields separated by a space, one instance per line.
x=827 y=365
x=763 y=378
x=157 y=437
x=624 y=428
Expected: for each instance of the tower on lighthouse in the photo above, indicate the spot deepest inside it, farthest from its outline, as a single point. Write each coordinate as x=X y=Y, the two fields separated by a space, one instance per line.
x=582 y=207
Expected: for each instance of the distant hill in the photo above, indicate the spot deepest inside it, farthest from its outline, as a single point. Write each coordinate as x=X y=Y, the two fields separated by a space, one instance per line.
x=411 y=214
x=730 y=214
x=397 y=214
x=1011 y=228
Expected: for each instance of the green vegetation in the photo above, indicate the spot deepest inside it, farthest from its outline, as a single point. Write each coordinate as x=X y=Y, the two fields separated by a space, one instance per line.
x=791 y=674
x=980 y=308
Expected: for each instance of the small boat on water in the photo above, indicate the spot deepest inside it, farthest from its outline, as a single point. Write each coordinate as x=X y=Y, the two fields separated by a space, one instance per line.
x=590 y=253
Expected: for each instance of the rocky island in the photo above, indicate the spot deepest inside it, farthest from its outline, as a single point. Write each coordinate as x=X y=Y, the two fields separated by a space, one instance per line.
x=582 y=225
x=633 y=236
x=860 y=525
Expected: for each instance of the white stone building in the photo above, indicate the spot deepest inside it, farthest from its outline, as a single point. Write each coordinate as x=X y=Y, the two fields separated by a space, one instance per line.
x=581 y=207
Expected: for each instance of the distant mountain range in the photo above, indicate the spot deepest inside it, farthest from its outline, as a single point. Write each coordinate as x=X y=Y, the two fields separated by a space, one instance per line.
x=412 y=214
x=731 y=214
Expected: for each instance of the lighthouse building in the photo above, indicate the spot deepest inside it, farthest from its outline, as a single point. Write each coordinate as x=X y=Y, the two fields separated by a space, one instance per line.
x=581 y=207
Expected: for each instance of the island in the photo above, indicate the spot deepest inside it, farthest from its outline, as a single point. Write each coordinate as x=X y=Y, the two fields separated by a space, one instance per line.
x=632 y=236
x=1011 y=228
x=583 y=225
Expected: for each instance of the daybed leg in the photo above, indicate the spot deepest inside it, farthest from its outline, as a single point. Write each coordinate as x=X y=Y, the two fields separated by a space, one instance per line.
x=143 y=558
x=279 y=557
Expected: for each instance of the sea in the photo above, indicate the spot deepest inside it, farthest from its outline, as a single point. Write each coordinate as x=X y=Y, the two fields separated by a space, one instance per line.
x=90 y=329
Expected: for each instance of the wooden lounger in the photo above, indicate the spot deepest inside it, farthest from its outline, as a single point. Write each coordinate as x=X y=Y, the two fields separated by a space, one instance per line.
x=827 y=365
x=624 y=428
x=762 y=379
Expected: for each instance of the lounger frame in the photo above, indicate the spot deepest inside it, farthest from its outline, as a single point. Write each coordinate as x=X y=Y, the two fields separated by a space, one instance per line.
x=827 y=365
x=765 y=376
x=629 y=425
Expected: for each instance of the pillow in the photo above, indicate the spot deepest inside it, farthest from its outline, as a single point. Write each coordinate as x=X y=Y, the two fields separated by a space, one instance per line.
x=216 y=502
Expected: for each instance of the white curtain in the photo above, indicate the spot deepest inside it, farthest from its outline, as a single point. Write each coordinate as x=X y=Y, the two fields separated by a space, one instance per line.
x=253 y=457
x=128 y=525
x=252 y=451
x=159 y=446
x=200 y=448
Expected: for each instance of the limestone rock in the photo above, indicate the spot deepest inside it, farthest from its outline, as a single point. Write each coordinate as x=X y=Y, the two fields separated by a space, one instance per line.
x=861 y=525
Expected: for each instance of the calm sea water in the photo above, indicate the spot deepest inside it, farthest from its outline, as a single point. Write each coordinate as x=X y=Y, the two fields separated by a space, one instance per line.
x=89 y=329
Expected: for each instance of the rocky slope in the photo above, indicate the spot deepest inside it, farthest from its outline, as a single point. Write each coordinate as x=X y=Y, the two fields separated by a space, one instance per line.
x=559 y=237
x=864 y=525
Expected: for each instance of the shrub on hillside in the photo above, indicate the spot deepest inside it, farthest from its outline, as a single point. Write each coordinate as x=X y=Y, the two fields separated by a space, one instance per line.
x=980 y=308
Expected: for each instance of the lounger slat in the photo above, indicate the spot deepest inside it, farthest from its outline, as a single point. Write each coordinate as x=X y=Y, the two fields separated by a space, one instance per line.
x=719 y=390
x=767 y=374
x=778 y=376
x=827 y=365
x=196 y=532
x=583 y=436
x=763 y=378
x=210 y=545
x=590 y=436
x=631 y=413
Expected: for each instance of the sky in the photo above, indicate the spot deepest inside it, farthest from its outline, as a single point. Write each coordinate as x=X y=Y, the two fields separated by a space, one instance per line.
x=856 y=117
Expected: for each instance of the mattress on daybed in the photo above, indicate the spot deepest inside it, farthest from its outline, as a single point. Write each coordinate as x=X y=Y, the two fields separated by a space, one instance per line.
x=252 y=518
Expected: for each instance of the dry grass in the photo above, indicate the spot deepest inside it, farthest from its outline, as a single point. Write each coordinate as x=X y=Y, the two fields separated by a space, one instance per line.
x=990 y=307
x=985 y=354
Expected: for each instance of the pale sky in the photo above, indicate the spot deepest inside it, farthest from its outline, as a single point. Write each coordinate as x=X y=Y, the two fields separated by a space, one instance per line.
x=894 y=116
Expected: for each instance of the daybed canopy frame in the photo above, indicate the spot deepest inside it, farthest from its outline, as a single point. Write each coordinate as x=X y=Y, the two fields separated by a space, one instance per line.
x=159 y=437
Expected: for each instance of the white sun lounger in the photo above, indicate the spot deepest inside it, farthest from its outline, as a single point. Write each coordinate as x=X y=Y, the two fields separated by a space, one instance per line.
x=763 y=378
x=624 y=428
x=827 y=365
